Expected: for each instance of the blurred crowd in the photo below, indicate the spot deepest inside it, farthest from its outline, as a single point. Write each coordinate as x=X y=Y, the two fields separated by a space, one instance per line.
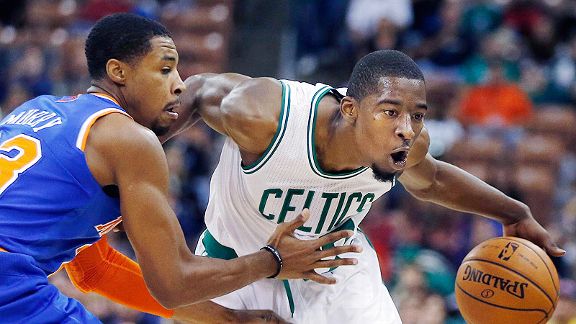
x=501 y=79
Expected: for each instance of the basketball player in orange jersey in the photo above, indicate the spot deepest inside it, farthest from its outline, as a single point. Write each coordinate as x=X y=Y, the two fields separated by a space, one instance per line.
x=292 y=145
x=70 y=166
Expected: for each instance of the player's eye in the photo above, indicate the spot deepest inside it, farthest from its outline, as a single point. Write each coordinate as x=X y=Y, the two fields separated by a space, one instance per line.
x=166 y=70
x=418 y=116
x=390 y=113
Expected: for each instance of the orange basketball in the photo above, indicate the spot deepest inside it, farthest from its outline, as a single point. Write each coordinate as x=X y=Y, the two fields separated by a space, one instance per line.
x=507 y=280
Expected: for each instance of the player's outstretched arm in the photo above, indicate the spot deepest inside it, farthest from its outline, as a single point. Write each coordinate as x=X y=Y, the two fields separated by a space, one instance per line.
x=244 y=109
x=122 y=152
x=442 y=183
x=101 y=269
x=202 y=98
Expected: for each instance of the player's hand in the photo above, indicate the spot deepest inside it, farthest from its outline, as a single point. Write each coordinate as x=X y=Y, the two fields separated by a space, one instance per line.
x=257 y=317
x=528 y=228
x=301 y=257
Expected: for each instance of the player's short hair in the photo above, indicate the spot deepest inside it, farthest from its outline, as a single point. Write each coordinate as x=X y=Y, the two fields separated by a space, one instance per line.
x=121 y=36
x=371 y=68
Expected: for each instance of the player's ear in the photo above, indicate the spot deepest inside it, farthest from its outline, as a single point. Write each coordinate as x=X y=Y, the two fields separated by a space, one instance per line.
x=116 y=71
x=349 y=108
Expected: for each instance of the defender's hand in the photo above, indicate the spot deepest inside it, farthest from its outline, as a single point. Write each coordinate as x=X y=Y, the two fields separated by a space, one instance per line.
x=301 y=257
x=528 y=228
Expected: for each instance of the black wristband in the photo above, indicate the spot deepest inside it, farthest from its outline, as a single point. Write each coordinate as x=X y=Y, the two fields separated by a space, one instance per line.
x=277 y=257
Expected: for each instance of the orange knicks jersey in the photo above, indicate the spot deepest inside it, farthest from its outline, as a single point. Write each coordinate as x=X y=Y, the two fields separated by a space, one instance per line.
x=50 y=204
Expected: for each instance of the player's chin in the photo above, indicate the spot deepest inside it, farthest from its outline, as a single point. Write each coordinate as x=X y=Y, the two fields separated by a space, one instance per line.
x=162 y=125
x=160 y=130
x=384 y=173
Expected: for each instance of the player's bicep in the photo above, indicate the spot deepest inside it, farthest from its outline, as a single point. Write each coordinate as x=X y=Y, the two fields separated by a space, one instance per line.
x=204 y=94
x=250 y=113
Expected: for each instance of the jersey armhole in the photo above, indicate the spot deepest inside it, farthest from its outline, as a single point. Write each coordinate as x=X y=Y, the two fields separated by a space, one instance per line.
x=280 y=131
x=87 y=125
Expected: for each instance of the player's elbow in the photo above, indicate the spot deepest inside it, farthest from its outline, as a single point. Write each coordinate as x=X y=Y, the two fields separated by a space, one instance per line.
x=424 y=193
x=425 y=190
x=167 y=299
x=169 y=294
x=424 y=182
x=417 y=187
x=173 y=295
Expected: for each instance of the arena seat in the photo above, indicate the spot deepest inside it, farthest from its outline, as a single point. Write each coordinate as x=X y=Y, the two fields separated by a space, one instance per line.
x=559 y=121
x=536 y=149
x=485 y=158
x=535 y=172
x=536 y=187
x=202 y=35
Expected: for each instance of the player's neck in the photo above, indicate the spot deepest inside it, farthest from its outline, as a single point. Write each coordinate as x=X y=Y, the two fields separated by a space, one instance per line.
x=110 y=90
x=335 y=146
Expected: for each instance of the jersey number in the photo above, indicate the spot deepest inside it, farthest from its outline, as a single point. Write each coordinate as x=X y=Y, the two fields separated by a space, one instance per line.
x=29 y=153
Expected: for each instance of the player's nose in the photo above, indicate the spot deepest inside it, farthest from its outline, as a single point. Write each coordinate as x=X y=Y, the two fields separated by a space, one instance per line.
x=404 y=128
x=178 y=86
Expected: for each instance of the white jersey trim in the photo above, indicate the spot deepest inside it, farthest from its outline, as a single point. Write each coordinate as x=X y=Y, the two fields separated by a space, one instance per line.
x=85 y=129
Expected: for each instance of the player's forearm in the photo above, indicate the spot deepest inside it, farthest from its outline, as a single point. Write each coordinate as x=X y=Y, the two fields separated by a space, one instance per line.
x=105 y=271
x=206 y=278
x=459 y=190
x=206 y=312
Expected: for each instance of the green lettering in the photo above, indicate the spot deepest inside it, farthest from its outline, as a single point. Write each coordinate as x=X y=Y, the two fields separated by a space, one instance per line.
x=358 y=197
x=329 y=197
x=340 y=204
x=277 y=194
x=286 y=207
x=307 y=205
x=366 y=197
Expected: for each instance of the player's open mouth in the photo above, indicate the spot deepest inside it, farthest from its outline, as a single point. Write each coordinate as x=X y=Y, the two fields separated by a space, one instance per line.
x=399 y=158
x=171 y=111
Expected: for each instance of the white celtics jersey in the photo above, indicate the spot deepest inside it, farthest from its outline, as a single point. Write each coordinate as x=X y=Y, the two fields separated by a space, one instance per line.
x=248 y=202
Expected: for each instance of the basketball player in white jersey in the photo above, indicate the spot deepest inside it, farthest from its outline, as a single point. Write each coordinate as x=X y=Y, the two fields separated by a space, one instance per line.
x=293 y=145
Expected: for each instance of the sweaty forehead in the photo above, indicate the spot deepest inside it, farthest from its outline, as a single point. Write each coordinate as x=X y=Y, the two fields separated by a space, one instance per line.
x=398 y=86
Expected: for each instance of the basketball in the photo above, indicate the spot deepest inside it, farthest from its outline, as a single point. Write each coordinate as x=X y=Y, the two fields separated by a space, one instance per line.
x=507 y=280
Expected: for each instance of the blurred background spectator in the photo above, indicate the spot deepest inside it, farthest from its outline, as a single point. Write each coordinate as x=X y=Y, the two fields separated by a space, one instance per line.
x=501 y=80
x=495 y=102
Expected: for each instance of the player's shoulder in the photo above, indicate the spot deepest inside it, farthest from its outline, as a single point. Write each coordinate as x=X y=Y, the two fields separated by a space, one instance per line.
x=262 y=89
x=229 y=84
x=255 y=100
x=120 y=133
x=119 y=147
x=251 y=113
